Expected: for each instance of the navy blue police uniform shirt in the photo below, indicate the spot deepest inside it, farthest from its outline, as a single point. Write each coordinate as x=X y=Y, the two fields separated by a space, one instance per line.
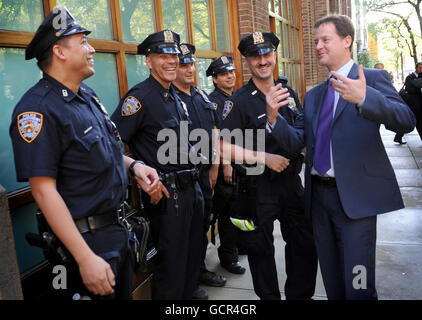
x=246 y=109
x=202 y=113
x=218 y=97
x=59 y=134
x=144 y=111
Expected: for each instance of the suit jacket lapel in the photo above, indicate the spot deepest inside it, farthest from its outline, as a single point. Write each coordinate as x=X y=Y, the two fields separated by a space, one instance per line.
x=341 y=104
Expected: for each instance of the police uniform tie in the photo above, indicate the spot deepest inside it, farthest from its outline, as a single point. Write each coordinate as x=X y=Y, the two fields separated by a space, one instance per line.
x=322 y=161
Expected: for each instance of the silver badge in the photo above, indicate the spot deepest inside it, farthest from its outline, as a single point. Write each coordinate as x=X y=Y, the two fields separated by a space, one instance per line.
x=185 y=49
x=168 y=36
x=258 y=37
x=225 y=60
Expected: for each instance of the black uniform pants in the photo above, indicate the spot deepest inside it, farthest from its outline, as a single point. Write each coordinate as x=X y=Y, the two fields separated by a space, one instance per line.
x=300 y=254
x=204 y=182
x=176 y=227
x=228 y=233
x=113 y=245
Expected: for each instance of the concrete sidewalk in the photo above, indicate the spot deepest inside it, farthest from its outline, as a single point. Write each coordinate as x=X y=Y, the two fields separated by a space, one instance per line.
x=399 y=238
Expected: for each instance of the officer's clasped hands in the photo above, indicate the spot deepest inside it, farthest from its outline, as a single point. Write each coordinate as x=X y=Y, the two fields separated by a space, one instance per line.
x=149 y=181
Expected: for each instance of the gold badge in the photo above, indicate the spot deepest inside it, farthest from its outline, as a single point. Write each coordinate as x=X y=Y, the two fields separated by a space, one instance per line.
x=292 y=101
x=258 y=37
x=168 y=36
x=185 y=49
x=100 y=105
x=225 y=60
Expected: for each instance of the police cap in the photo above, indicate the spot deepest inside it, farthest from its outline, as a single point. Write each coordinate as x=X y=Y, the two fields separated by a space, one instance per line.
x=258 y=44
x=165 y=41
x=58 y=24
x=220 y=65
x=186 y=54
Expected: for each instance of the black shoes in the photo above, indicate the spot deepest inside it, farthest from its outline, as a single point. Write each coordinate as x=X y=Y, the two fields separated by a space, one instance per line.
x=399 y=139
x=199 y=294
x=234 y=267
x=211 y=279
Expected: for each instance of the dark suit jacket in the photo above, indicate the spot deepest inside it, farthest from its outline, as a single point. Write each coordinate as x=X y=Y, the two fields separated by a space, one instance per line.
x=365 y=178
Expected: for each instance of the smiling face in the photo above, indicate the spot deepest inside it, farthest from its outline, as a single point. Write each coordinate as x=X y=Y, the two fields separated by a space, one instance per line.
x=185 y=74
x=163 y=67
x=332 y=50
x=79 y=55
x=262 y=66
x=225 y=80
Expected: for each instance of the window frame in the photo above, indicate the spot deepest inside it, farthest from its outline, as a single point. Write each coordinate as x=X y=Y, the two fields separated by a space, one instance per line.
x=117 y=46
x=296 y=24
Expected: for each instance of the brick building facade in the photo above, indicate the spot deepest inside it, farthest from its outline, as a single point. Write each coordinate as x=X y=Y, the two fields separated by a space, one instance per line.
x=254 y=16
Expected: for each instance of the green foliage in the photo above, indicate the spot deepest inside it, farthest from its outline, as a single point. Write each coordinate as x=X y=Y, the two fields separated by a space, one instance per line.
x=366 y=59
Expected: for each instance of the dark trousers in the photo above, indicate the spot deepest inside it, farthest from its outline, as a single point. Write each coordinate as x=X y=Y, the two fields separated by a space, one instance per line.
x=345 y=247
x=113 y=245
x=228 y=233
x=416 y=106
x=204 y=182
x=300 y=255
x=177 y=235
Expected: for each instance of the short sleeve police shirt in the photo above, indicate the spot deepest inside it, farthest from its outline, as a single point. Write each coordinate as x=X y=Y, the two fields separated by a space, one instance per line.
x=59 y=134
x=151 y=120
x=202 y=113
x=218 y=97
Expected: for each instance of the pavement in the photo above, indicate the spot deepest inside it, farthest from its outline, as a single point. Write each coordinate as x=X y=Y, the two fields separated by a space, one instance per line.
x=399 y=238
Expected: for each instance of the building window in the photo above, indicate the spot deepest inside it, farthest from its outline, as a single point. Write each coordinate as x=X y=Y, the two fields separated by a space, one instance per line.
x=285 y=22
x=117 y=26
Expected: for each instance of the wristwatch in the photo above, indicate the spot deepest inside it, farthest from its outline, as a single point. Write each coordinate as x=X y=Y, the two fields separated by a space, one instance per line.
x=132 y=165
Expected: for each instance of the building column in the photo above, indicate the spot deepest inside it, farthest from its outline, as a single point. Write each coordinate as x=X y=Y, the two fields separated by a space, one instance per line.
x=10 y=284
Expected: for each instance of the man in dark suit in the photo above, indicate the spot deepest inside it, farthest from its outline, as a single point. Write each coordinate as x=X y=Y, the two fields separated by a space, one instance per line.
x=413 y=85
x=348 y=176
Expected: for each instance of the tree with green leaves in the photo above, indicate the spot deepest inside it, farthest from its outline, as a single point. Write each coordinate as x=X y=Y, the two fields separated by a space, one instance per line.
x=390 y=7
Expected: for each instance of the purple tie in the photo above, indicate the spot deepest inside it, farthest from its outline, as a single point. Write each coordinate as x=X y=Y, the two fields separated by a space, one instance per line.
x=325 y=123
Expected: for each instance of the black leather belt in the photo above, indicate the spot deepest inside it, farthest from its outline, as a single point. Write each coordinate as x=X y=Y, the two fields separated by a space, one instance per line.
x=93 y=223
x=182 y=178
x=325 y=180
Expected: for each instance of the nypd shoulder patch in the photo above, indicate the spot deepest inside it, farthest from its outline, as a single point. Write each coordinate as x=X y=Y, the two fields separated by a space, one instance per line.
x=30 y=125
x=228 y=105
x=130 y=106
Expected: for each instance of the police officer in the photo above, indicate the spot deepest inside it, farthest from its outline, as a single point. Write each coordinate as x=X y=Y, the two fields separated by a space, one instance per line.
x=272 y=195
x=153 y=121
x=66 y=146
x=203 y=116
x=223 y=75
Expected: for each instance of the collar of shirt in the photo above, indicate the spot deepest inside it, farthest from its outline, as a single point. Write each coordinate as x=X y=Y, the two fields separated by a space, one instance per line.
x=344 y=71
x=181 y=93
x=61 y=89
x=165 y=93
x=223 y=92
x=253 y=90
